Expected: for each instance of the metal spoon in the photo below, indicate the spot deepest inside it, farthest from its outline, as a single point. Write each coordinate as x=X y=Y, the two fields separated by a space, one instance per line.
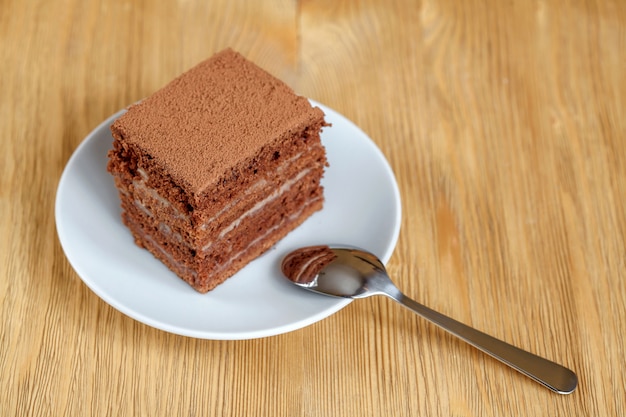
x=352 y=273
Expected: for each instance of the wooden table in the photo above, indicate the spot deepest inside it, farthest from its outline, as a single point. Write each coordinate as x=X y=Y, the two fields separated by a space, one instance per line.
x=505 y=125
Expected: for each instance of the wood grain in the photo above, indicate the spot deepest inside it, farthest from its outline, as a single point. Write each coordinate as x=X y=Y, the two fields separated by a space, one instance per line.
x=504 y=123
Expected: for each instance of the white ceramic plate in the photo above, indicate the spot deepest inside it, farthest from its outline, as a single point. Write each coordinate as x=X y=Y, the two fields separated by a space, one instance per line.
x=362 y=209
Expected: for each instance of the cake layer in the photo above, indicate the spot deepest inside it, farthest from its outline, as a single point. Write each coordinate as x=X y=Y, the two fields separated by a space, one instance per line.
x=161 y=213
x=305 y=185
x=254 y=233
x=258 y=246
x=207 y=278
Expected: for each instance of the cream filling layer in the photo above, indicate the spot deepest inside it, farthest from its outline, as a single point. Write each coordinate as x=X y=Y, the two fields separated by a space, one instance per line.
x=260 y=205
x=166 y=230
x=264 y=236
x=162 y=201
x=141 y=186
x=181 y=269
x=178 y=267
x=254 y=187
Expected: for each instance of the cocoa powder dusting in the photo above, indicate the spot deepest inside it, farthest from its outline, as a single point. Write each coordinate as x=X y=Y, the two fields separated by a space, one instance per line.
x=211 y=118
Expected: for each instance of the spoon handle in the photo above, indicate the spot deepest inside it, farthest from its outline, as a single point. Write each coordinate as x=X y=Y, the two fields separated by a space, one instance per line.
x=552 y=375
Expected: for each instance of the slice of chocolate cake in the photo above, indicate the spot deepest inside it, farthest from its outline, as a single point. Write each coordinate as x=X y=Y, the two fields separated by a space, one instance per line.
x=216 y=167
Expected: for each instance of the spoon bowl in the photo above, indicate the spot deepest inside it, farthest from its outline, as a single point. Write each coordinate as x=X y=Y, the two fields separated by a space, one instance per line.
x=349 y=272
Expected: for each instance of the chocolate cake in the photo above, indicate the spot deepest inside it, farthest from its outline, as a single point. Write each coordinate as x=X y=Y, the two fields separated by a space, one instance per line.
x=216 y=167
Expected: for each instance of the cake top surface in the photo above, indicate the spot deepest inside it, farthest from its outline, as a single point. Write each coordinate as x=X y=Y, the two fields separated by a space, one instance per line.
x=217 y=114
